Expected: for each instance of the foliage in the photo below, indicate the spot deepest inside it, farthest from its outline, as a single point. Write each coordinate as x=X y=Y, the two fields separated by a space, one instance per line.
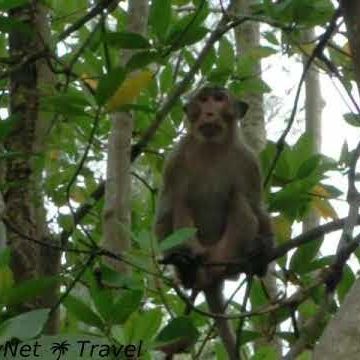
x=131 y=308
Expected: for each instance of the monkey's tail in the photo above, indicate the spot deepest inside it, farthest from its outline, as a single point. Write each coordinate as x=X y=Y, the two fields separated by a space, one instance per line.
x=216 y=303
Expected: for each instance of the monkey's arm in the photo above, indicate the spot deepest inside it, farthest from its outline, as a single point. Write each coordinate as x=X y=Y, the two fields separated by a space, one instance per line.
x=172 y=214
x=263 y=243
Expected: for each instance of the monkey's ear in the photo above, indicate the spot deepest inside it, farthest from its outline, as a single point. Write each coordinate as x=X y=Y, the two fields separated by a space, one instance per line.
x=242 y=108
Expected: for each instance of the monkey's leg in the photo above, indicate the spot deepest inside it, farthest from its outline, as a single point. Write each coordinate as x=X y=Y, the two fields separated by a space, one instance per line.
x=215 y=300
x=192 y=249
x=239 y=240
x=183 y=219
x=263 y=245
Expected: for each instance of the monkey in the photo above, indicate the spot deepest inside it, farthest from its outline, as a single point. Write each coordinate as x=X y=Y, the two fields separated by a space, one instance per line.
x=212 y=182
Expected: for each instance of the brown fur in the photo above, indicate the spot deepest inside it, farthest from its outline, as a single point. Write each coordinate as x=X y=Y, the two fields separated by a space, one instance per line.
x=212 y=182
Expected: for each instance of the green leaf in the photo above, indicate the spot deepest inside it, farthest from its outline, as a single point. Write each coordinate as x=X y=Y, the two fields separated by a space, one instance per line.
x=103 y=300
x=252 y=85
x=316 y=264
x=166 y=79
x=108 y=85
x=303 y=256
x=312 y=13
x=305 y=355
x=71 y=103
x=270 y=36
x=265 y=353
x=176 y=238
x=249 y=336
x=7 y=125
x=6 y=5
x=294 y=199
x=308 y=167
x=180 y=328
x=186 y=37
x=129 y=301
x=5 y=256
x=226 y=53
x=115 y=279
x=7 y=25
x=25 y=326
x=160 y=17
x=83 y=312
x=226 y=59
x=142 y=59
x=126 y=40
x=29 y=289
x=347 y=281
x=352 y=119
x=150 y=322
x=208 y=62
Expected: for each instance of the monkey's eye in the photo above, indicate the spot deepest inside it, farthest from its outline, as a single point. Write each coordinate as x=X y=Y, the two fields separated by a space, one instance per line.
x=203 y=98
x=219 y=96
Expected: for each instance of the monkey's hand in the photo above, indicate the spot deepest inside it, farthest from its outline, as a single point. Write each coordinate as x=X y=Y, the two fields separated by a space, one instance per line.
x=187 y=264
x=259 y=257
x=212 y=268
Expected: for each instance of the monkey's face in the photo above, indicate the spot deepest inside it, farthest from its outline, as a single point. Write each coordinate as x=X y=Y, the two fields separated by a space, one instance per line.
x=212 y=114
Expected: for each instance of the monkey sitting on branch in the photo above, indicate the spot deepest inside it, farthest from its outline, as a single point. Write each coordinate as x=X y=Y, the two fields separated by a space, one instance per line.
x=212 y=182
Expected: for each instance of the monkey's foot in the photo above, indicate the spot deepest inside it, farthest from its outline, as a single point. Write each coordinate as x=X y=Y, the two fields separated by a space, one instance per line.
x=211 y=270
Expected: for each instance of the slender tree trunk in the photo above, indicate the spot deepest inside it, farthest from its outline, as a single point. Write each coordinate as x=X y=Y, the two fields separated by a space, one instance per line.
x=314 y=105
x=247 y=36
x=117 y=209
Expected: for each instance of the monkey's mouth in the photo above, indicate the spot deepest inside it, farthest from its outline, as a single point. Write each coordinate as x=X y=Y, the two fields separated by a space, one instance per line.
x=210 y=130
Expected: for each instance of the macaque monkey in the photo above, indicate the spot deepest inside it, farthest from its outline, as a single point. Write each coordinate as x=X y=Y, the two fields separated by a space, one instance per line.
x=212 y=182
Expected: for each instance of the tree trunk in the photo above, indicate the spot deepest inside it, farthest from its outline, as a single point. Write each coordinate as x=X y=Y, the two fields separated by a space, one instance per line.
x=23 y=198
x=247 y=36
x=49 y=262
x=314 y=102
x=313 y=108
x=117 y=208
x=314 y=105
x=340 y=339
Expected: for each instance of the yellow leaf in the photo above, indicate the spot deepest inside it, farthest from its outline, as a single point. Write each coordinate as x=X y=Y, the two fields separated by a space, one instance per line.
x=324 y=208
x=78 y=195
x=89 y=81
x=346 y=49
x=130 y=89
x=54 y=154
x=282 y=227
x=320 y=191
x=307 y=49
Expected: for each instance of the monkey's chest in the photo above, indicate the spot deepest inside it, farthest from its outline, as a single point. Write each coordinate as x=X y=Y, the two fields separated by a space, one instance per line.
x=209 y=203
